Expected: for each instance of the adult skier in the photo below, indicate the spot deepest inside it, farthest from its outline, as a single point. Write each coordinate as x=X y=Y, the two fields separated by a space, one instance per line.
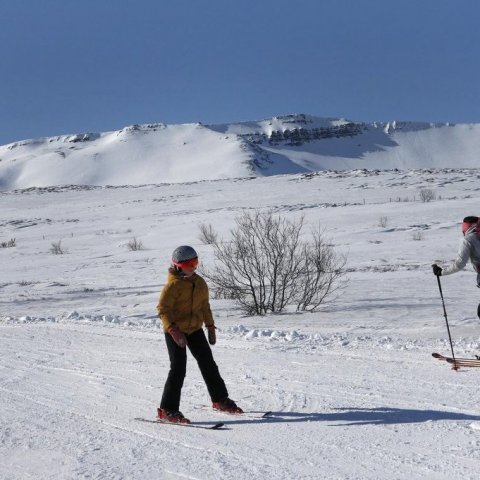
x=184 y=309
x=469 y=250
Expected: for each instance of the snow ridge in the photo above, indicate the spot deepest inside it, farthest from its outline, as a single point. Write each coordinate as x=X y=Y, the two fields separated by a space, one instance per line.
x=298 y=143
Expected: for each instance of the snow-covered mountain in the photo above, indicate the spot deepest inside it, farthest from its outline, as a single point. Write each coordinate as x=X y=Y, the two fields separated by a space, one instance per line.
x=160 y=153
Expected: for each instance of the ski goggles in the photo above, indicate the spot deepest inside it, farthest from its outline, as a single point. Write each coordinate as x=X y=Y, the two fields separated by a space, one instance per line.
x=466 y=226
x=190 y=264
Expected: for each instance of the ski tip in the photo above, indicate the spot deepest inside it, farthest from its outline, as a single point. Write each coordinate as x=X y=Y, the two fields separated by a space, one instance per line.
x=217 y=426
x=436 y=355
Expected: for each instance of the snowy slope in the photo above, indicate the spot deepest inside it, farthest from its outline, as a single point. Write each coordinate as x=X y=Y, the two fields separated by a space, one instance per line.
x=134 y=155
x=354 y=391
x=159 y=153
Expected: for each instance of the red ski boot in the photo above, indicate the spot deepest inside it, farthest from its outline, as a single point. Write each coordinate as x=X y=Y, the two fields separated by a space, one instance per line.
x=227 y=405
x=171 y=416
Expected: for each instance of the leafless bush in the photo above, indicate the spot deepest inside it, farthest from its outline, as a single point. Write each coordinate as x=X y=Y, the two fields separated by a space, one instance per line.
x=208 y=235
x=417 y=236
x=57 y=248
x=220 y=293
x=265 y=266
x=321 y=273
x=9 y=244
x=427 y=195
x=134 y=245
x=383 y=221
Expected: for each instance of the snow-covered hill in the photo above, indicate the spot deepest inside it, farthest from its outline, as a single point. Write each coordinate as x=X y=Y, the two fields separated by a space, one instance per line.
x=354 y=391
x=159 y=153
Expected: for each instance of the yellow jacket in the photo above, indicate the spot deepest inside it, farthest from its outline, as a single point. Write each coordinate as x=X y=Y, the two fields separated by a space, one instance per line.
x=184 y=301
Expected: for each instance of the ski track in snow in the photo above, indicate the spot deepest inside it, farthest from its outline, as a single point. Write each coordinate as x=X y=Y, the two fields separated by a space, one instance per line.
x=353 y=389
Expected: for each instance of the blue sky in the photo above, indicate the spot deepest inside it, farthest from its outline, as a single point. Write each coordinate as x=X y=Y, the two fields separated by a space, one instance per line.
x=70 y=66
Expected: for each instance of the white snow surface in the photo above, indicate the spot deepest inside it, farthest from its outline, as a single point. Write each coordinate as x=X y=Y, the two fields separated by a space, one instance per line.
x=160 y=153
x=354 y=391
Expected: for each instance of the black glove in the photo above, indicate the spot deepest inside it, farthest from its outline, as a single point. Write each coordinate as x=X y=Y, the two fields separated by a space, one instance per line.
x=437 y=270
x=212 y=336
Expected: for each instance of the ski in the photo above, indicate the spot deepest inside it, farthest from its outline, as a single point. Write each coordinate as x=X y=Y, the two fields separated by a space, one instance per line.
x=252 y=414
x=246 y=413
x=216 y=426
x=458 y=362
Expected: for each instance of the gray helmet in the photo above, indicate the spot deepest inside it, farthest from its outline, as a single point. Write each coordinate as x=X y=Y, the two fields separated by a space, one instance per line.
x=183 y=253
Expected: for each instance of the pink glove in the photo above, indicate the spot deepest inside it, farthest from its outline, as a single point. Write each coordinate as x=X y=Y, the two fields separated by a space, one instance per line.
x=212 y=336
x=178 y=336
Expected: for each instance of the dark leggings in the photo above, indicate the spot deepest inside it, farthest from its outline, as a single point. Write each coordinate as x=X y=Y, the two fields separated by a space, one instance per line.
x=198 y=345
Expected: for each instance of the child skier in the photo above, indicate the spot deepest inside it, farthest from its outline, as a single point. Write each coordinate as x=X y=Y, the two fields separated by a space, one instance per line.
x=184 y=308
x=469 y=250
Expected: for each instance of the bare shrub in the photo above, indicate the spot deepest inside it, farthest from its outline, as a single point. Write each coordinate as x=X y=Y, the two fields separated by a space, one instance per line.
x=11 y=243
x=134 y=245
x=208 y=235
x=427 y=195
x=417 y=236
x=321 y=273
x=265 y=266
x=383 y=221
x=57 y=249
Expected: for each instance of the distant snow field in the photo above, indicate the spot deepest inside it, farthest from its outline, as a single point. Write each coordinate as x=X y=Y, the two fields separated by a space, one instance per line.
x=353 y=389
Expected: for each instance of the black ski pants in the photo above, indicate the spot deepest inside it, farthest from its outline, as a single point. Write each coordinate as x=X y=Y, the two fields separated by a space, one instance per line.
x=197 y=344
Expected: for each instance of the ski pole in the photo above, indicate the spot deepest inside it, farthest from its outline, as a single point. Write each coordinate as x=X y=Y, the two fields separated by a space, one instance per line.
x=446 y=321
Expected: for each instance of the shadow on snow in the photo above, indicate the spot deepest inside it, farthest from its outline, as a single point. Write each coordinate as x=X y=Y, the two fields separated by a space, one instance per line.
x=362 y=416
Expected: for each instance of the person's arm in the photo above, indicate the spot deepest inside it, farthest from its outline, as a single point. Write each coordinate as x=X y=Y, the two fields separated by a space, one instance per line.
x=207 y=311
x=165 y=309
x=461 y=260
x=207 y=315
x=165 y=306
